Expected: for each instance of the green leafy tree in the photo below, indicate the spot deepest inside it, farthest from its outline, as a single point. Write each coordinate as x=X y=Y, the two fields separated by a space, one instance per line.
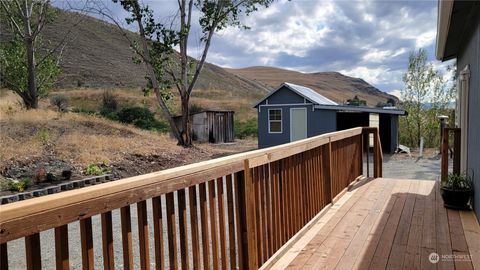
x=356 y=101
x=426 y=95
x=155 y=47
x=27 y=68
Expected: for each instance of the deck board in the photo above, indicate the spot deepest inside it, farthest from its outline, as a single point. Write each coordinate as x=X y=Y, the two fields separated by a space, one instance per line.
x=388 y=224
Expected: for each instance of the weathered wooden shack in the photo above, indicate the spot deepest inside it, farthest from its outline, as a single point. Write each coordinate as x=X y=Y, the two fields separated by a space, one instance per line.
x=211 y=126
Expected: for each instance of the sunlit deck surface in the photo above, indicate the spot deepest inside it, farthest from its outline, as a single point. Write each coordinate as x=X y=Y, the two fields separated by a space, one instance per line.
x=387 y=224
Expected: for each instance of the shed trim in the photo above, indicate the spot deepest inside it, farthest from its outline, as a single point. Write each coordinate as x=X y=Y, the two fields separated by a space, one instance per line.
x=359 y=109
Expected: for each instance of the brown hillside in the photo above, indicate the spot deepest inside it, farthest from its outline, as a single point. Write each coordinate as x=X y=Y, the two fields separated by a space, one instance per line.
x=98 y=56
x=333 y=85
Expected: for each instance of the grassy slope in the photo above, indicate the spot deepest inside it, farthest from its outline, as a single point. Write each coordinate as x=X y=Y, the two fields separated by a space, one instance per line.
x=333 y=85
x=98 y=56
x=38 y=137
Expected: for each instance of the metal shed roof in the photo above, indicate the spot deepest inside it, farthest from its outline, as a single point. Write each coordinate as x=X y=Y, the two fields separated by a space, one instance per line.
x=303 y=91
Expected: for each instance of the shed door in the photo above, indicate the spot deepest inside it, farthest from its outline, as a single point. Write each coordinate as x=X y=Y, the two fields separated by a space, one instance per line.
x=298 y=124
x=219 y=128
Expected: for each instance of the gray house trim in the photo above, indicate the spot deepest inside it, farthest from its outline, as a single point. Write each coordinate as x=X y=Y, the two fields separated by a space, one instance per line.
x=287 y=104
x=359 y=109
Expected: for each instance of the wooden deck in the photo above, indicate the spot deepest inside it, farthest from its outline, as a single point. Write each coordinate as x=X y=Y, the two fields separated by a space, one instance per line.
x=386 y=224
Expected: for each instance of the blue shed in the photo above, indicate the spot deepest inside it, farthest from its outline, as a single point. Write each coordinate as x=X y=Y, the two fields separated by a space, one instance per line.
x=292 y=112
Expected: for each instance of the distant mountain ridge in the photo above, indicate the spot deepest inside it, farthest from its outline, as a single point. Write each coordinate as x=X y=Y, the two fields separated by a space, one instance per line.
x=98 y=56
x=333 y=85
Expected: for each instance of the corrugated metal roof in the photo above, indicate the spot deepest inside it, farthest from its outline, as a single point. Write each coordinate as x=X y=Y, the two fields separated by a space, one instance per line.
x=303 y=91
x=310 y=94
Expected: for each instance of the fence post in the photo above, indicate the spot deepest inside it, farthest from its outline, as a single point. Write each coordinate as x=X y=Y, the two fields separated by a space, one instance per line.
x=444 y=168
x=246 y=198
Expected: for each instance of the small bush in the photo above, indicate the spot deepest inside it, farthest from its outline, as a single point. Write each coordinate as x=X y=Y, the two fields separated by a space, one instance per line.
x=109 y=102
x=141 y=117
x=195 y=108
x=43 y=136
x=84 y=111
x=60 y=102
x=19 y=185
x=96 y=169
x=246 y=129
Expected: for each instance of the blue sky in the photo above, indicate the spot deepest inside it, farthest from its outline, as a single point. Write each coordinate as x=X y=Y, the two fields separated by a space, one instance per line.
x=368 y=39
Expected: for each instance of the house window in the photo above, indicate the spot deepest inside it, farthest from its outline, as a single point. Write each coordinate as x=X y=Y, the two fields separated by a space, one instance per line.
x=275 y=121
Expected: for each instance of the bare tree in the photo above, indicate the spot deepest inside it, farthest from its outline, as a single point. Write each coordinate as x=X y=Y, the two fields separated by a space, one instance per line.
x=157 y=43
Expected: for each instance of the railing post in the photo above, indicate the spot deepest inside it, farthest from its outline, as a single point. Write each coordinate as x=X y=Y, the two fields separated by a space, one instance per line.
x=444 y=168
x=246 y=198
x=456 y=150
x=328 y=172
x=377 y=150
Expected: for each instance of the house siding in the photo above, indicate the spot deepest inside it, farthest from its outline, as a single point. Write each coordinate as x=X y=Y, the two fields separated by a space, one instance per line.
x=469 y=54
x=318 y=121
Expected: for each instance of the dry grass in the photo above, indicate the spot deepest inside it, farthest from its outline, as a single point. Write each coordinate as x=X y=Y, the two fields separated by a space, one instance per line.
x=29 y=138
x=74 y=137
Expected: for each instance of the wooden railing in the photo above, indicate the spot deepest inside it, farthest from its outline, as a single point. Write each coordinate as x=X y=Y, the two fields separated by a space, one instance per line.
x=228 y=213
x=445 y=151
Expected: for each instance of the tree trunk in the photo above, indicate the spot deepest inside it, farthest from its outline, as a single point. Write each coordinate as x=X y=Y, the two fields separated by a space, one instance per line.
x=32 y=103
x=186 y=124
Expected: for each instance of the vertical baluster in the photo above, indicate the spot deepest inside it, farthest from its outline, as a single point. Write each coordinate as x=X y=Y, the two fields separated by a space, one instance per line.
x=263 y=217
x=33 y=252
x=221 y=223
x=192 y=196
x=240 y=222
x=268 y=206
x=274 y=206
x=126 y=237
x=258 y=214
x=182 y=221
x=171 y=231
x=158 y=233
x=61 y=248
x=212 y=197
x=143 y=235
x=204 y=219
x=3 y=256
x=247 y=208
x=231 y=222
x=107 y=241
x=87 y=243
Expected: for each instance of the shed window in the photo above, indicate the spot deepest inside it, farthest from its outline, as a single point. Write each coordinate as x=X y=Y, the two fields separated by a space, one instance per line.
x=275 y=120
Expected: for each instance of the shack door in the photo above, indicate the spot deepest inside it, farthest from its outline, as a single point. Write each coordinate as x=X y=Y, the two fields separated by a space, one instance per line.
x=298 y=124
x=219 y=128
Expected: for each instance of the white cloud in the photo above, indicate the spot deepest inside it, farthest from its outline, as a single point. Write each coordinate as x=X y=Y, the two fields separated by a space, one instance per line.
x=397 y=93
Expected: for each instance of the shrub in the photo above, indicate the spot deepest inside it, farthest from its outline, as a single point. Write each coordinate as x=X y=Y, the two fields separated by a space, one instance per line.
x=96 y=169
x=60 y=102
x=141 y=117
x=109 y=102
x=195 y=108
x=19 y=185
x=246 y=129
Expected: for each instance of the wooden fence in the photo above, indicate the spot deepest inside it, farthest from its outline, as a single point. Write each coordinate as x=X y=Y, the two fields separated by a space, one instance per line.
x=228 y=213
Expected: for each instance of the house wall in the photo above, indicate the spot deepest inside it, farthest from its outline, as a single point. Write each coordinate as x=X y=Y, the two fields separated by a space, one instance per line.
x=318 y=121
x=469 y=54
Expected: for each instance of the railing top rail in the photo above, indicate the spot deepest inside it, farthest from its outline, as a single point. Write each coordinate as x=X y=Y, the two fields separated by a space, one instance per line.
x=54 y=210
